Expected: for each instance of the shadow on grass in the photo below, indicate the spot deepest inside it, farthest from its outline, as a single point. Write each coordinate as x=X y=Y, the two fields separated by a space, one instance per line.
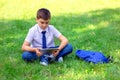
x=95 y=30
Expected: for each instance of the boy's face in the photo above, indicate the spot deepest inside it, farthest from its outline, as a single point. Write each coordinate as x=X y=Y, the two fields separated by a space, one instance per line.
x=43 y=23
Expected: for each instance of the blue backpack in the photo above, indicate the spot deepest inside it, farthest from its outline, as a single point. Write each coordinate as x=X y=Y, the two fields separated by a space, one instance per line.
x=91 y=56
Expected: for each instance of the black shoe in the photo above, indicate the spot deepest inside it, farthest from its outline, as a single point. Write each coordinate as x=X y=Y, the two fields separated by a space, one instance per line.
x=110 y=59
x=44 y=61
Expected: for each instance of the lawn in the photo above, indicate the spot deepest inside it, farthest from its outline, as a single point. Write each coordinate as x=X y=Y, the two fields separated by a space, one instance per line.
x=88 y=24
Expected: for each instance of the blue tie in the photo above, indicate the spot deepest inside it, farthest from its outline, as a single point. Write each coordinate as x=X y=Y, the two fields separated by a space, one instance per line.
x=43 y=39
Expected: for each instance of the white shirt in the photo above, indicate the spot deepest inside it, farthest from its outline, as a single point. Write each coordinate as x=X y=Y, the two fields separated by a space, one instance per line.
x=34 y=36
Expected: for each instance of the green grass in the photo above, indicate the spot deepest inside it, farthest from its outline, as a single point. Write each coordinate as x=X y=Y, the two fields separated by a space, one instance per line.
x=88 y=24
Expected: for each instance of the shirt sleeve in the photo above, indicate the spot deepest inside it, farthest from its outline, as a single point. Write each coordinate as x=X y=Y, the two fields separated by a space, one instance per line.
x=56 y=33
x=29 y=36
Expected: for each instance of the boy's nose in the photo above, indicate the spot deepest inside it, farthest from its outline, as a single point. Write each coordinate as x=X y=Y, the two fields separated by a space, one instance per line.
x=44 y=25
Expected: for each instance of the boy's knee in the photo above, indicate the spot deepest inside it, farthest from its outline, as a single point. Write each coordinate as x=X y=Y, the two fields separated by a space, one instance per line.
x=28 y=56
x=70 y=47
x=24 y=55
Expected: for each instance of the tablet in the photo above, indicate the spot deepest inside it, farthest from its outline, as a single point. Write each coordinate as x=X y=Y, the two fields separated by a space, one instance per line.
x=48 y=50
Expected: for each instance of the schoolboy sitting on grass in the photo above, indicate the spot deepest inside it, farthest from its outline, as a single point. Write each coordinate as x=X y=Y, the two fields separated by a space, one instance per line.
x=41 y=35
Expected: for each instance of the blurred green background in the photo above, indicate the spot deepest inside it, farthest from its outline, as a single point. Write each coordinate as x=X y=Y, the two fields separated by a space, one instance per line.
x=88 y=24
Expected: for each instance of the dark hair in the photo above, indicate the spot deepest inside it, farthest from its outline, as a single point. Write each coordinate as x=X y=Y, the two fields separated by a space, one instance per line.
x=43 y=13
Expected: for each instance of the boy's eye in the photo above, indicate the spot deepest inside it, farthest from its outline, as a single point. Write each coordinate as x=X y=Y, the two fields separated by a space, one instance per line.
x=42 y=22
x=46 y=22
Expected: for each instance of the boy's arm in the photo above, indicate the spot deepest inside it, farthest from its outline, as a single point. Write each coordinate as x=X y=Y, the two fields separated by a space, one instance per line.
x=26 y=47
x=64 y=42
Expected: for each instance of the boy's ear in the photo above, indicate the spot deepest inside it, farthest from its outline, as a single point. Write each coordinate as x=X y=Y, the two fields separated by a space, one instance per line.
x=36 y=19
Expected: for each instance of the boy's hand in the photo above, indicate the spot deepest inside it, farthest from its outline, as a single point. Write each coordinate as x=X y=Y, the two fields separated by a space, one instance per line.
x=55 y=52
x=38 y=53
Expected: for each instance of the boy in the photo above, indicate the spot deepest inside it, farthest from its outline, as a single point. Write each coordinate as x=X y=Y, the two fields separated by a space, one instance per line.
x=41 y=35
